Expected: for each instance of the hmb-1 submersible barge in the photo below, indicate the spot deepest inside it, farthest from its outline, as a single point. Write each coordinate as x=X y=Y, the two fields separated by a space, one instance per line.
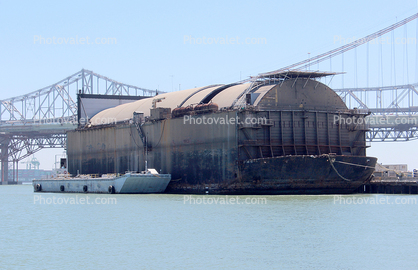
x=283 y=133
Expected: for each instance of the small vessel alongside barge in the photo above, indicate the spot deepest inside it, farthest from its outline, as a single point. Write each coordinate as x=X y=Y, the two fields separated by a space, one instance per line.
x=149 y=181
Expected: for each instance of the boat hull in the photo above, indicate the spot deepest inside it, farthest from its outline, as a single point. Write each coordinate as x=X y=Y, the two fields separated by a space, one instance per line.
x=126 y=184
x=323 y=174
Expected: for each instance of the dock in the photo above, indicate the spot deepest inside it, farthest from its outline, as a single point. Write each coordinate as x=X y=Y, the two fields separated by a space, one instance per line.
x=391 y=186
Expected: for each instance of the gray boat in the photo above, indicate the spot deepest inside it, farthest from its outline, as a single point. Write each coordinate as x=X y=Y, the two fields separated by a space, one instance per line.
x=148 y=181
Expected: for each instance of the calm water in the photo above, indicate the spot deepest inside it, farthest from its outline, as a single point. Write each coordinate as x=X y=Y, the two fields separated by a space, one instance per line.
x=161 y=231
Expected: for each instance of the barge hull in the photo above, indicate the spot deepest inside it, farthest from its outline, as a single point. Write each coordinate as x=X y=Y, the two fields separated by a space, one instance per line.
x=323 y=174
x=127 y=184
x=275 y=144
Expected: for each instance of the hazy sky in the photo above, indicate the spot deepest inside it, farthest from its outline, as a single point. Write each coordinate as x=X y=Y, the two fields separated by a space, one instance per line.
x=155 y=44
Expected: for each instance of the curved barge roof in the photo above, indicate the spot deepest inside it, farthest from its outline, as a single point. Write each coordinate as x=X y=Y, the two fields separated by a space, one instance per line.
x=290 y=91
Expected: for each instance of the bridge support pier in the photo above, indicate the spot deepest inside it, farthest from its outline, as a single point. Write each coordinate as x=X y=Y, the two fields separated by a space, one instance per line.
x=4 y=156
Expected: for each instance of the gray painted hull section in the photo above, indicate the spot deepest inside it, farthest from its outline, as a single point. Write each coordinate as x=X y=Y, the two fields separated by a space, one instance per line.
x=128 y=184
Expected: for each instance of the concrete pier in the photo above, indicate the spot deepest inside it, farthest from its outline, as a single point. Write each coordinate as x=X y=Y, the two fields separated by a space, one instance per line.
x=4 y=143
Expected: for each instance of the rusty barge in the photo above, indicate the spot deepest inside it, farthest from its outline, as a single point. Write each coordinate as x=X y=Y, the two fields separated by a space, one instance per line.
x=284 y=133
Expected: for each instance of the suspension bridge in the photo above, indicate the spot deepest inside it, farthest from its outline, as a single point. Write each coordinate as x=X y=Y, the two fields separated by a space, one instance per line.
x=379 y=61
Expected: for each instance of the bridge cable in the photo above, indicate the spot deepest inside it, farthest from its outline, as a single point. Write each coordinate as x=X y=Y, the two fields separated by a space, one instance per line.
x=322 y=57
x=406 y=54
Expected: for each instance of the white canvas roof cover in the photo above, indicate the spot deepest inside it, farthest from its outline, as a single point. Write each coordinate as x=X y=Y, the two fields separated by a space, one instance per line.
x=124 y=112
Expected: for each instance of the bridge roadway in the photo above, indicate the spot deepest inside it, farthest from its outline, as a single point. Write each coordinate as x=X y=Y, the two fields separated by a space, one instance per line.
x=15 y=137
x=8 y=129
x=55 y=127
x=29 y=129
x=19 y=140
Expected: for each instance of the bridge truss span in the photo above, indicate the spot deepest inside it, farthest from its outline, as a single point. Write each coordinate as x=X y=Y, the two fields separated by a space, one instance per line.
x=58 y=101
x=40 y=119
x=398 y=99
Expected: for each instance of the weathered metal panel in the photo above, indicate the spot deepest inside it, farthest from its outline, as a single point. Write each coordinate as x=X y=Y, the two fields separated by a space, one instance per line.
x=189 y=151
x=296 y=94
